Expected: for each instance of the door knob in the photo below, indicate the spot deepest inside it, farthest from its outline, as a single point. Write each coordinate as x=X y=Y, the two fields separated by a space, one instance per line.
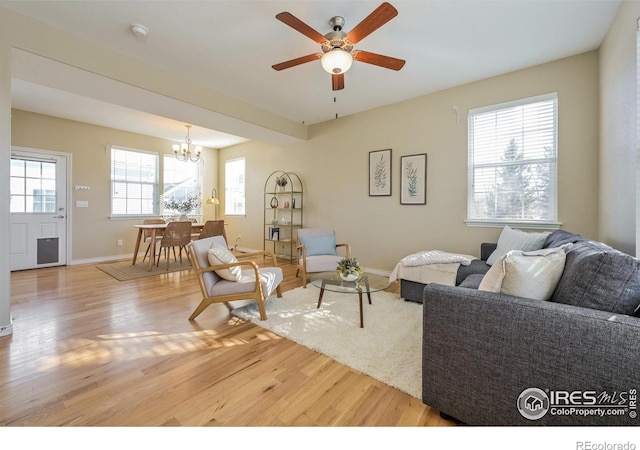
x=58 y=217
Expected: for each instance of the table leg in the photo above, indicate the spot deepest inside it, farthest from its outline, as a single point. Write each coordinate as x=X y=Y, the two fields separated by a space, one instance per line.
x=321 y=294
x=135 y=251
x=366 y=282
x=152 y=255
x=361 y=317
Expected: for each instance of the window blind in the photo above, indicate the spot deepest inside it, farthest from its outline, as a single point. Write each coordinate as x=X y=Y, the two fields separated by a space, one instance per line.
x=134 y=182
x=512 y=161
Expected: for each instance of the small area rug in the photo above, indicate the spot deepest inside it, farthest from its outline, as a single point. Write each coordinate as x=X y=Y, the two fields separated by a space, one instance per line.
x=388 y=348
x=125 y=271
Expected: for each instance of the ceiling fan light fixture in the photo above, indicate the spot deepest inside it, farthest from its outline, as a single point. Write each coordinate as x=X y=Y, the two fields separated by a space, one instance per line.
x=336 y=61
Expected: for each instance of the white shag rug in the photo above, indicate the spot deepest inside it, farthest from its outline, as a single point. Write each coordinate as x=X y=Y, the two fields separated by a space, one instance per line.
x=388 y=348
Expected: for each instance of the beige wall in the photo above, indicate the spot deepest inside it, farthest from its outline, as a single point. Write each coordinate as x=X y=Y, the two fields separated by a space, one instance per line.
x=95 y=235
x=619 y=213
x=333 y=165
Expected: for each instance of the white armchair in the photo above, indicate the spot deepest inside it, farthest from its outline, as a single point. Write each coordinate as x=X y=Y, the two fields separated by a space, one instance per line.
x=317 y=251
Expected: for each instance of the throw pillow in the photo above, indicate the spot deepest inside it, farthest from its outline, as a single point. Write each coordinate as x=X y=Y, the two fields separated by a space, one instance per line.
x=320 y=245
x=220 y=255
x=598 y=277
x=532 y=274
x=511 y=239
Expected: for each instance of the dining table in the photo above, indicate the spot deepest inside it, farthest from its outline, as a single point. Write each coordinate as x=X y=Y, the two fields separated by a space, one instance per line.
x=155 y=228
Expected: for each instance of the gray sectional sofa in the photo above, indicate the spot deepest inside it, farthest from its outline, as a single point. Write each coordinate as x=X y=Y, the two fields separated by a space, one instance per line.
x=496 y=359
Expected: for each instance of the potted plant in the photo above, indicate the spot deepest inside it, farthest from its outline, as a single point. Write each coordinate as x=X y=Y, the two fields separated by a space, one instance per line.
x=281 y=182
x=184 y=207
x=349 y=269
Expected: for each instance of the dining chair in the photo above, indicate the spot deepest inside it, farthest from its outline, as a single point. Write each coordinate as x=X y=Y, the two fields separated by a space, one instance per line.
x=147 y=236
x=177 y=234
x=213 y=228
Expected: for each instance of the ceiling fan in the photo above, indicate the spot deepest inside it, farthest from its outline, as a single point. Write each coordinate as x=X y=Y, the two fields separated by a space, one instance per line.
x=337 y=46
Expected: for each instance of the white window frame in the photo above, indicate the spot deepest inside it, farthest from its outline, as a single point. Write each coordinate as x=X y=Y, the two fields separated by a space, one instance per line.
x=155 y=184
x=545 y=223
x=197 y=189
x=232 y=189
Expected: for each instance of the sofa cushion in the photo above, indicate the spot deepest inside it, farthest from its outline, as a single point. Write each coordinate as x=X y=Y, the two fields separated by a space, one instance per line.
x=477 y=266
x=511 y=239
x=472 y=281
x=221 y=255
x=599 y=277
x=532 y=274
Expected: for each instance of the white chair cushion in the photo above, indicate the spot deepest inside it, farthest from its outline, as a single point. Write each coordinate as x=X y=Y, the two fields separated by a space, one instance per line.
x=270 y=277
x=322 y=263
x=218 y=254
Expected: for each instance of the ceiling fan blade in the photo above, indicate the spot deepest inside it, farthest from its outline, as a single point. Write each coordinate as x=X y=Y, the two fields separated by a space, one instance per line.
x=378 y=60
x=297 y=61
x=381 y=15
x=299 y=25
x=337 y=81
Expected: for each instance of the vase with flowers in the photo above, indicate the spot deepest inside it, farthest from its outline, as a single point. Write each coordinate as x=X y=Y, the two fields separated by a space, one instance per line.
x=349 y=269
x=281 y=182
x=184 y=207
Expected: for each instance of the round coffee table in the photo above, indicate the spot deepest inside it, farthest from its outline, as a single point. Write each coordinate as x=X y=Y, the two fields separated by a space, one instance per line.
x=366 y=284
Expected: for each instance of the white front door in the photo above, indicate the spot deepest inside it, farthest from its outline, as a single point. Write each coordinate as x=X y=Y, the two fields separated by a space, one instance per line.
x=38 y=223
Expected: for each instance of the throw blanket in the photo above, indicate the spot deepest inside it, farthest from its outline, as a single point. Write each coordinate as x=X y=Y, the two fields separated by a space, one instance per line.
x=435 y=257
x=440 y=267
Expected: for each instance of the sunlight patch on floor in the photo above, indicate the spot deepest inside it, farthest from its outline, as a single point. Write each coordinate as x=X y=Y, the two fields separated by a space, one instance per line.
x=107 y=348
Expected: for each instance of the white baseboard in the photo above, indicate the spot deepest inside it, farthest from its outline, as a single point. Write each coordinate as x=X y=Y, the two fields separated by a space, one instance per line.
x=385 y=273
x=6 y=330
x=101 y=259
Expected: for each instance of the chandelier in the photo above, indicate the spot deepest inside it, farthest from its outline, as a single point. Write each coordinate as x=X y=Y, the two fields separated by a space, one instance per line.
x=183 y=151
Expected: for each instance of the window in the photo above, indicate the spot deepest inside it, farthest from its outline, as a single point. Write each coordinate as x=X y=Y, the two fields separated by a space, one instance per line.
x=181 y=182
x=234 y=187
x=134 y=182
x=33 y=186
x=512 y=163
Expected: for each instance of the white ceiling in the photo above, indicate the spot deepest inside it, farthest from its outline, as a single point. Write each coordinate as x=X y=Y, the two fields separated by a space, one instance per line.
x=230 y=47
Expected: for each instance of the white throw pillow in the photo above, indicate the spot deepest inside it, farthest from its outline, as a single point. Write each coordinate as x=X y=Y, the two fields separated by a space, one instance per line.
x=532 y=274
x=220 y=255
x=511 y=239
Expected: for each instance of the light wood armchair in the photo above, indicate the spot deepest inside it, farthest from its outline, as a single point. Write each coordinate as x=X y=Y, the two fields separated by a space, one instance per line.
x=317 y=251
x=215 y=289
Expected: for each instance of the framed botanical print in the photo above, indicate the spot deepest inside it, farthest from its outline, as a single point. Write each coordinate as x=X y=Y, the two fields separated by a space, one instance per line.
x=380 y=173
x=413 y=179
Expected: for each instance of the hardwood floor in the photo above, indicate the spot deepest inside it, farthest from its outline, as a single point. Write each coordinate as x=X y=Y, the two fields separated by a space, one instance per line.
x=88 y=350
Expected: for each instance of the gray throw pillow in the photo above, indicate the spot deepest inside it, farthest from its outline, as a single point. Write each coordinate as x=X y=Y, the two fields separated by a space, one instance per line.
x=597 y=276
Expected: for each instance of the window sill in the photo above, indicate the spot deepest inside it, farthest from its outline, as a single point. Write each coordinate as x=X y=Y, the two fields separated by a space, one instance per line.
x=537 y=225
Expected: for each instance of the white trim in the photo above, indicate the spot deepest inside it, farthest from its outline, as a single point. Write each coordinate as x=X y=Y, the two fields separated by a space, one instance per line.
x=514 y=224
x=6 y=330
x=514 y=103
x=103 y=259
x=385 y=273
